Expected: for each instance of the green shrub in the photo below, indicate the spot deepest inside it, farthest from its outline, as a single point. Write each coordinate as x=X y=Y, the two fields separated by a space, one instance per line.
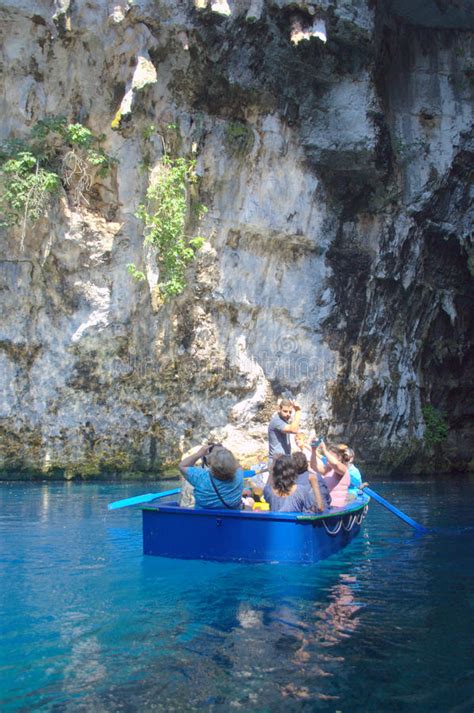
x=134 y=272
x=165 y=213
x=436 y=426
x=148 y=131
x=26 y=187
x=56 y=154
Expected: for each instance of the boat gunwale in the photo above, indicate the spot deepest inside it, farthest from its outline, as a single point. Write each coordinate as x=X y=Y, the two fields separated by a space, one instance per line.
x=301 y=518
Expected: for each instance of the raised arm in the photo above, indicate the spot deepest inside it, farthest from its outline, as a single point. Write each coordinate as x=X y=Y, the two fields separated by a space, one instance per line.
x=192 y=459
x=340 y=467
x=316 y=463
x=313 y=479
x=294 y=426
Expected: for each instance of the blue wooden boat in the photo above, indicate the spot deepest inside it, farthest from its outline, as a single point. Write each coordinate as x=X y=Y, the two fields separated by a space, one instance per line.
x=240 y=536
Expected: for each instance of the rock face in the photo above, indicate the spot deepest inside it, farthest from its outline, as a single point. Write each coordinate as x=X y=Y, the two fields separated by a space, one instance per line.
x=334 y=147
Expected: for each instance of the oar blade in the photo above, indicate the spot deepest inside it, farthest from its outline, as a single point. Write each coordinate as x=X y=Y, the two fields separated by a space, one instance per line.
x=138 y=499
x=395 y=510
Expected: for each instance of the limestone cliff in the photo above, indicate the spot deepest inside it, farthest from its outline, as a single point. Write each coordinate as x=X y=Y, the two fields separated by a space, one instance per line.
x=334 y=147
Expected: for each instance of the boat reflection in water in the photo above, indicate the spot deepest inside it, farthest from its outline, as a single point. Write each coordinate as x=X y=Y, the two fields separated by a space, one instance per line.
x=298 y=648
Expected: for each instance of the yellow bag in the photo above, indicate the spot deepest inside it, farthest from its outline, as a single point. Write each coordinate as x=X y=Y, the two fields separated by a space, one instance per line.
x=261 y=506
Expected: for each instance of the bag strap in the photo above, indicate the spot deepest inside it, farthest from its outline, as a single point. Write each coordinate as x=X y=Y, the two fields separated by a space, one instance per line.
x=218 y=493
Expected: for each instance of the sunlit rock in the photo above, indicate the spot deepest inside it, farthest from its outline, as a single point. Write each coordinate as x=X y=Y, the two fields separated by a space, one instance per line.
x=221 y=7
x=338 y=260
x=300 y=32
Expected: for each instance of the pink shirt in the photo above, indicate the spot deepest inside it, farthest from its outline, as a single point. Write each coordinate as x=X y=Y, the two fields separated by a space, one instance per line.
x=337 y=486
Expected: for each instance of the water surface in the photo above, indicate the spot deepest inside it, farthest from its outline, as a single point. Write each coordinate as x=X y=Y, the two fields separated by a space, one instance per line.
x=90 y=624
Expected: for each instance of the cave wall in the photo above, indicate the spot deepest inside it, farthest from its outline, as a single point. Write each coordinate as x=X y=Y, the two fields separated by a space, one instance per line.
x=334 y=149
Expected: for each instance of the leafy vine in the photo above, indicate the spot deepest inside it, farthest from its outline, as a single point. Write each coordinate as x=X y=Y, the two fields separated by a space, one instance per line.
x=165 y=213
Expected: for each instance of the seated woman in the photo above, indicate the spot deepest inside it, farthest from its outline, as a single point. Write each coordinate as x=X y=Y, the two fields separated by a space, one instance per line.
x=335 y=471
x=323 y=499
x=356 y=476
x=218 y=486
x=284 y=495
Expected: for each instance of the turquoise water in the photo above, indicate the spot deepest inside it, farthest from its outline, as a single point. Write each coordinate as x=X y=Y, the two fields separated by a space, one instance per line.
x=90 y=624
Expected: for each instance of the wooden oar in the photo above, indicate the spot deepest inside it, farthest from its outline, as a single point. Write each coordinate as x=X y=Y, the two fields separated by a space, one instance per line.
x=396 y=511
x=141 y=499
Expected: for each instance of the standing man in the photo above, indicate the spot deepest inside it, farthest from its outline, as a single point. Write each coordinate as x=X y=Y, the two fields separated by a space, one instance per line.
x=281 y=427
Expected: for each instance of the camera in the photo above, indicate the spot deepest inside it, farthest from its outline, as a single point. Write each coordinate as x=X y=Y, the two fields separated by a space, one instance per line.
x=317 y=442
x=209 y=450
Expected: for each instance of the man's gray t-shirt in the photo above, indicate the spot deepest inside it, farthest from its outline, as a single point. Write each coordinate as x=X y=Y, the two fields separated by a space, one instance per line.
x=278 y=440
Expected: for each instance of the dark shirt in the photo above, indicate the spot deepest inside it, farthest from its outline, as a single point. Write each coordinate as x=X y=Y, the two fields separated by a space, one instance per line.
x=278 y=440
x=302 y=479
x=302 y=500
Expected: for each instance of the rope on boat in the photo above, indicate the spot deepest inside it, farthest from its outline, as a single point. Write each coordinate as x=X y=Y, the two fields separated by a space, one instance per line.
x=359 y=518
x=336 y=529
x=353 y=520
x=350 y=523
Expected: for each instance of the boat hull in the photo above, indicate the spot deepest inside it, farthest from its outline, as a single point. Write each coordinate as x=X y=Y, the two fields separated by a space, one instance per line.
x=237 y=536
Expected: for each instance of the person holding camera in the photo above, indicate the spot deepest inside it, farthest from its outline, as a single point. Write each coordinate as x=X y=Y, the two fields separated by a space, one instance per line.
x=281 y=427
x=219 y=485
x=334 y=469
